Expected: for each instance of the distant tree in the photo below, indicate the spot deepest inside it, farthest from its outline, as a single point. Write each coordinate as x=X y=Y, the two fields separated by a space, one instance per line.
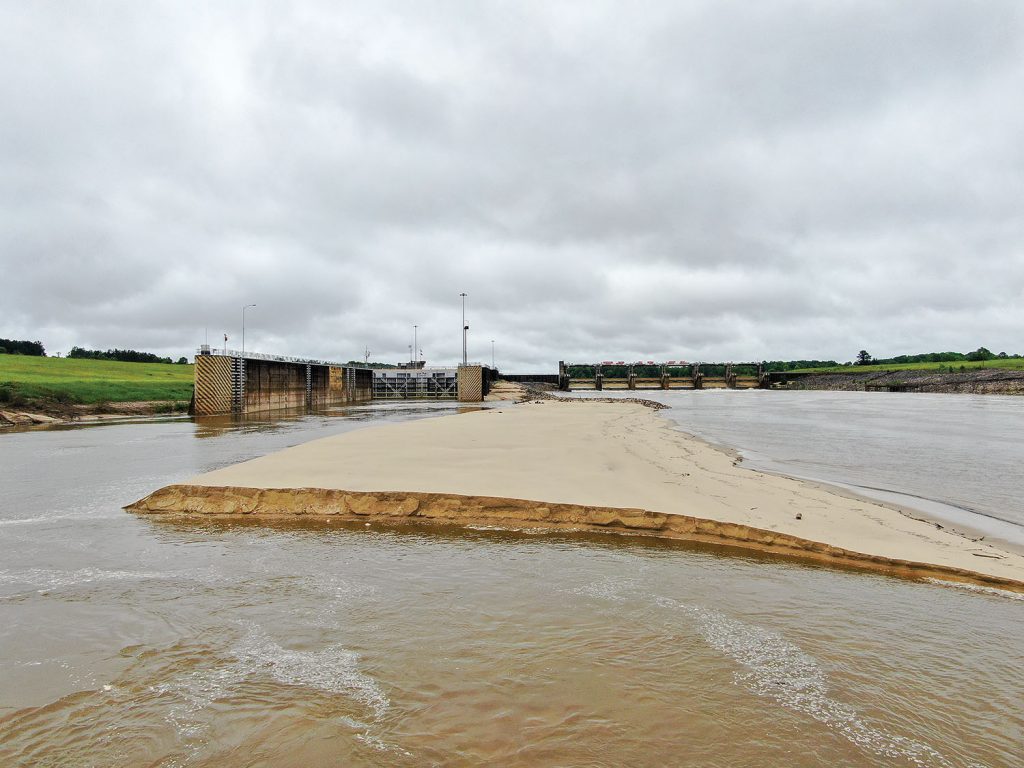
x=367 y=364
x=123 y=355
x=182 y=361
x=864 y=357
x=33 y=348
x=1002 y=356
x=980 y=354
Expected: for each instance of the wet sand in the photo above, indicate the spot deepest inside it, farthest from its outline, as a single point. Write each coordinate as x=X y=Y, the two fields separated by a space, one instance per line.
x=584 y=465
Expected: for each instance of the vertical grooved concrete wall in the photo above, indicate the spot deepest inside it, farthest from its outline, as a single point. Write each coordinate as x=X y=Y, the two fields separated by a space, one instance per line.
x=470 y=382
x=276 y=385
x=212 y=384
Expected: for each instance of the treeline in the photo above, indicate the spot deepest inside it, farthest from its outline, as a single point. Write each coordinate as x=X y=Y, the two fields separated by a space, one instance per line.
x=792 y=365
x=979 y=355
x=122 y=355
x=14 y=347
x=364 y=364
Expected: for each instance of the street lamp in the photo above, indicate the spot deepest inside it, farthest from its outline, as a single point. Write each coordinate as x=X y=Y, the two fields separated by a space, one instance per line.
x=464 y=328
x=243 y=326
x=415 y=342
x=492 y=354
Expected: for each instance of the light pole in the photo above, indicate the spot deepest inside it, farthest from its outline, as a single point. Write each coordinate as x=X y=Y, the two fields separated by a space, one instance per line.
x=415 y=343
x=464 y=328
x=243 y=326
x=492 y=354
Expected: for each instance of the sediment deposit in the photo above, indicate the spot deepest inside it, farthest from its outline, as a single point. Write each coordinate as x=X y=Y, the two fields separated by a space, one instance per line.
x=614 y=467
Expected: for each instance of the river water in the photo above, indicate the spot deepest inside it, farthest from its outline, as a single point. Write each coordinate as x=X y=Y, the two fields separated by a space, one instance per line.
x=130 y=641
x=959 y=458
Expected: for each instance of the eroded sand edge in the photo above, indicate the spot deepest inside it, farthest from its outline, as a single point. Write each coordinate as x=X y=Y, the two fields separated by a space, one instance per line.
x=584 y=466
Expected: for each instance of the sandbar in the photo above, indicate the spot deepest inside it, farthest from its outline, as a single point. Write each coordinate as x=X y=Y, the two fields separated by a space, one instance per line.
x=581 y=465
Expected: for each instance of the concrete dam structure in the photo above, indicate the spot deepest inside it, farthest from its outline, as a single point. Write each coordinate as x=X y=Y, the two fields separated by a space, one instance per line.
x=229 y=381
x=654 y=375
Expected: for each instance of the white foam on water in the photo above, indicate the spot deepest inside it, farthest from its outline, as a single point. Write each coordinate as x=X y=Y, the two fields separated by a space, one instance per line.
x=608 y=589
x=50 y=578
x=193 y=692
x=978 y=589
x=778 y=669
x=369 y=739
x=40 y=519
x=333 y=669
x=781 y=671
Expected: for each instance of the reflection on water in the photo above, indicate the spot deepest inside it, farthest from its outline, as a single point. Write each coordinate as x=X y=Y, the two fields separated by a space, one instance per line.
x=301 y=418
x=130 y=641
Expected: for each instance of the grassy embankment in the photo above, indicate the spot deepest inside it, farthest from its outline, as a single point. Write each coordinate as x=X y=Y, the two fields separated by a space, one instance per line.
x=26 y=381
x=1010 y=363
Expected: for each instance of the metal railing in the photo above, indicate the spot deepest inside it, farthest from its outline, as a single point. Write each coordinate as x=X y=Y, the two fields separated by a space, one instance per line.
x=274 y=358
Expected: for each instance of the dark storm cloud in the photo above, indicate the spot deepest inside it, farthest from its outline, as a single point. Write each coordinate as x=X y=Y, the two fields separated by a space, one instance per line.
x=607 y=181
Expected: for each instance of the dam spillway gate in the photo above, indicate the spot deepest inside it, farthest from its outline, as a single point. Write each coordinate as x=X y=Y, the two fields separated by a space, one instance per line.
x=674 y=374
x=420 y=383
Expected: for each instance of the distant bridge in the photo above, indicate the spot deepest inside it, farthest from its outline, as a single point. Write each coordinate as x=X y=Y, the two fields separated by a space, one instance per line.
x=674 y=374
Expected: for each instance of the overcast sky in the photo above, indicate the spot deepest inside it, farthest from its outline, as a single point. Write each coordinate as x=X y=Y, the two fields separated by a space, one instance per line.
x=680 y=180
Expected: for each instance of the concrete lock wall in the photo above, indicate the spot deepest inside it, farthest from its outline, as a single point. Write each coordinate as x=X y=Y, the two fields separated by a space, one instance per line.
x=272 y=385
x=338 y=385
x=212 y=384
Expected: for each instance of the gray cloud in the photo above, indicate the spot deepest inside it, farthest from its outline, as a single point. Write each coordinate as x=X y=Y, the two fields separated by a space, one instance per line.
x=701 y=180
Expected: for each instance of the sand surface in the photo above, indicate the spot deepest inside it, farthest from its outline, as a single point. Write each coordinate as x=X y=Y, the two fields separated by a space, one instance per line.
x=608 y=455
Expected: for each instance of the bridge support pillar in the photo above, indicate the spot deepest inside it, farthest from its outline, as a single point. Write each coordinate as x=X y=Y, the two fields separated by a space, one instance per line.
x=563 y=377
x=697 y=376
x=631 y=379
x=598 y=379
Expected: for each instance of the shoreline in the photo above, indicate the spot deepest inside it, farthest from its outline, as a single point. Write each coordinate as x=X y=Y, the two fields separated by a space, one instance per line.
x=958 y=520
x=915 y=508
x=593 y=466
x=40 y=414
x=224 y=503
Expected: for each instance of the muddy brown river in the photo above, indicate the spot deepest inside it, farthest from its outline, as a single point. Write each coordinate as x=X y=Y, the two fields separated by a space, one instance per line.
x=128 y=641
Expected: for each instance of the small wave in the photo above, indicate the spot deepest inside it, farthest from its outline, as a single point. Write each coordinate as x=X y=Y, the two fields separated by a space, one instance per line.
x=780 y=670
x=334 y=669
x=978 y=589
x=48 y=578
x=55 y=518
x=531 y=530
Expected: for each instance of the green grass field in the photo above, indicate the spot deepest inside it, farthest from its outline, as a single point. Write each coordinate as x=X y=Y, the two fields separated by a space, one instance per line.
x=24 y=378
x=1015 y=364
